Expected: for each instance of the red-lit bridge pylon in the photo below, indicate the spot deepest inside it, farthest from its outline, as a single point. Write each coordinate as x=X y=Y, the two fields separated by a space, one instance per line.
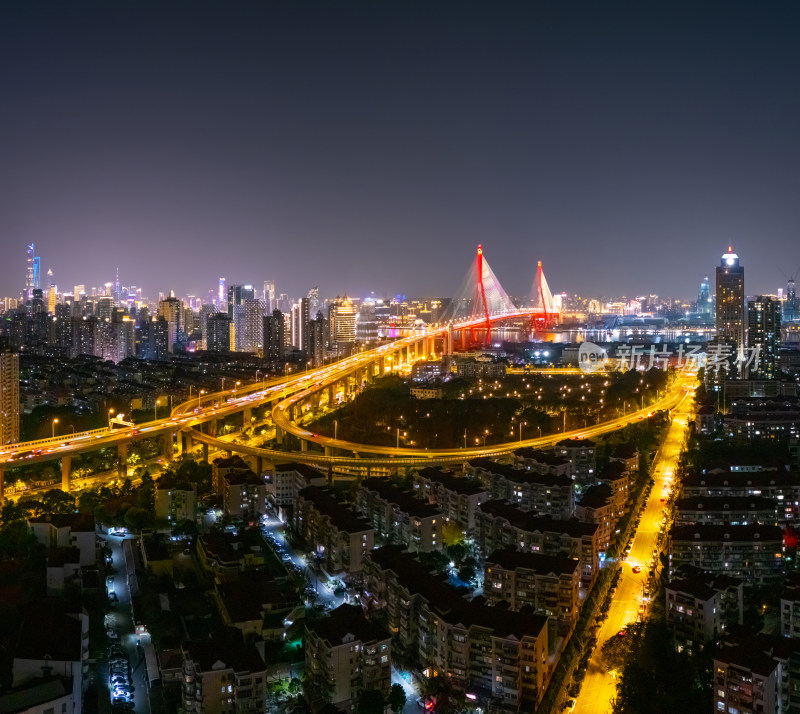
x=481 y=300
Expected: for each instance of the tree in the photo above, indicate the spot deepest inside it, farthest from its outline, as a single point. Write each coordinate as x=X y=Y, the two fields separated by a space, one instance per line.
x=370 y=701
x=57 y=501
x=397 y=698
x=146 y=495
x=137 y=518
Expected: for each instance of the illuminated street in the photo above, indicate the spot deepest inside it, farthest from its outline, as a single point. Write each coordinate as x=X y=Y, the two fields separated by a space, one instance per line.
x=598 y=687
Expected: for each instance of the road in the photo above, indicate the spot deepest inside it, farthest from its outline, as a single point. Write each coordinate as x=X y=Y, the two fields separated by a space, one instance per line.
x=599 y=687
x=220 y=404
x=121 y=623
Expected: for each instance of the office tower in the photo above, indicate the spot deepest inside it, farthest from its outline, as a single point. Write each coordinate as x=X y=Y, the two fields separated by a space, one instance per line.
x=317 y=340
x=79 y=291
x=171 y=310
x=206 y=311
x=344 y=316
x=29 y=272
x=248 y=325
x=237 y=294
x=704 y=298
x=764 y=335
x=269 y=295
x=218 y=332
x=105 y=305
x=274 y=336
x=117 y=289
x=791 y=307
x=222 y=296
x=51 y=292
x=9 y=395
x=730 y=299
x=284 y=304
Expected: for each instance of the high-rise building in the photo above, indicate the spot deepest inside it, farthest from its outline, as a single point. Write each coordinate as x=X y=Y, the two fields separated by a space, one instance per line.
x=730 y=315
x=317 y=340
x=343 y=316
x=238 y=294
x=704 y=303
x=791 y=309
x=274 y=336
x=764 y=336
x=51 y=292
x=171 y=309
x=269 y=295
x=221 y=296
x=9 y=395
x=218 y=332
x=29 y=271
x=248 y=325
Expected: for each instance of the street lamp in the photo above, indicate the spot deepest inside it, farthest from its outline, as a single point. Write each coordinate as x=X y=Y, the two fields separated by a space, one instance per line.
x=335 y=428
x=110 y=412
x=55 y=421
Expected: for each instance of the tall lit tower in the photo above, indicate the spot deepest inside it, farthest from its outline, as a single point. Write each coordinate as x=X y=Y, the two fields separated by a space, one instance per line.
x=9 y=395
x=51 y=292
x=704 y=298
x=764 y=334
x=790 y=310
x=730 y=315
x=221 y=295
x=29 y=272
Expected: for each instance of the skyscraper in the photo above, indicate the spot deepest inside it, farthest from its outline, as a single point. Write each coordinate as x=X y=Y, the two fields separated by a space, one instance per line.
x=221 y=306
x=790 y=306
x=274 y=337
x=9 y=395
x=171 y=309
x=704 y=298
x=29 y=285
x=730 y=299
x=764 y=335
x=218 y=332
x=269 y=295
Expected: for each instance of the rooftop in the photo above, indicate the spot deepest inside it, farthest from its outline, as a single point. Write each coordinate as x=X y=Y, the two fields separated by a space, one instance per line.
x=450 y=481
x=225 y=649
x=347 y=620
x=726 y=503
x=533 y=523
x=511 y=559
x=342 y=516
x=733 y=533
x=404 y=499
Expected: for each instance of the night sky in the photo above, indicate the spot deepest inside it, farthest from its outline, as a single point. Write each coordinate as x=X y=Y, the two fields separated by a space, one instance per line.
x=372 y=146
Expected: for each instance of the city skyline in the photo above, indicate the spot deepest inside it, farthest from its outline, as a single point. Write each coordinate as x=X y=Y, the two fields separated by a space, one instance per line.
x=388 y=142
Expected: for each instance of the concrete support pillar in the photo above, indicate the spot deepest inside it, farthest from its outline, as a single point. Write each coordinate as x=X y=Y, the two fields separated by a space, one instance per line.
x=381 y=366
x=278 y=435
x=303 y=445
x=205 y=453
x=187 y=443
x=66 y=469
x=247 y=414
x=259 y=465
x=331 y=396
x=169 y=449
x=328 y=451
x=346 y=385
x=2 y=483
x=122 y=461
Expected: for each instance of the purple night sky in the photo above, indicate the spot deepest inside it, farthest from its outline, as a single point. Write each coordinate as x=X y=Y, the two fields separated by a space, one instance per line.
x=372 y=146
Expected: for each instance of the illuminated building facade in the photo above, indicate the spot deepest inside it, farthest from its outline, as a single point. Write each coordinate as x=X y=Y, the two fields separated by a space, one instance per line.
x=730 y=313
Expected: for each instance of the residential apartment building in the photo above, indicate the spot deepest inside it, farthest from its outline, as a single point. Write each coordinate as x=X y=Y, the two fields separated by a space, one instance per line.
x=345 y=655
x=548 y=584
x=529 y=487
x=543 y=462
x=502 y=525
x=726 y=510
x=74 y=530
x=752 y=553
x=597 y=506
x=223 y=675
x=495 y=654
x=457 y=497
x=701 y=607
x=286 y=480
x=339 y=536
x=781 y=485
x=243 y=493
x=176 y=499
x=400 y=517
x=746 y=680
x=581 y=455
